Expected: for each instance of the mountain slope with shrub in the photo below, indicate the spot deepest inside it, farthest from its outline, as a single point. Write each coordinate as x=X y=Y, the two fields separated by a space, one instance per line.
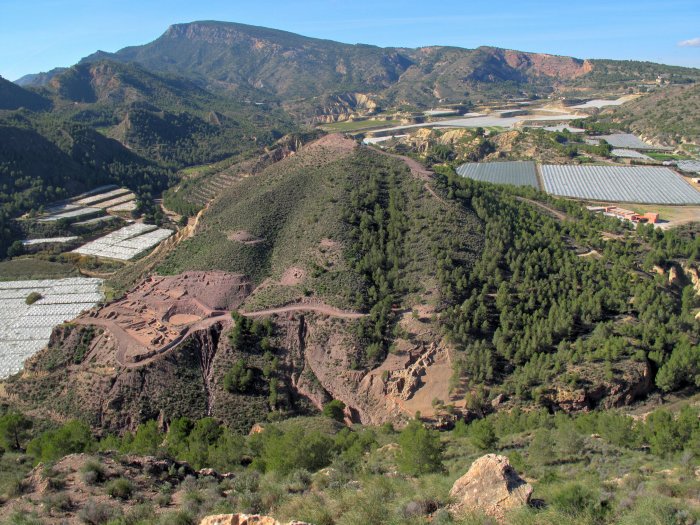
x=395 y=291
x=268 y=64
x=668 y=116
x=116 y=123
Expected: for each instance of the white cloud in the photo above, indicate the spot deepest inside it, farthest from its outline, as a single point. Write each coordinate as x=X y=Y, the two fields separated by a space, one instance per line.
x=693 y=42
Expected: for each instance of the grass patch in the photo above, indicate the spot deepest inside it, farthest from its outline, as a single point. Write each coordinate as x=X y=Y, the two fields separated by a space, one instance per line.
x=667 y=156
x=358 y=125
x=28 y=268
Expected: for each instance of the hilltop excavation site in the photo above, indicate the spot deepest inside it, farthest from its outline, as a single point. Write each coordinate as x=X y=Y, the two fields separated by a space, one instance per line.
x=163 y=348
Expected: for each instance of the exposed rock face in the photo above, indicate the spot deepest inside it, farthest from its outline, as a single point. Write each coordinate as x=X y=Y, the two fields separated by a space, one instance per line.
x=402 y=384
x=673 y=276
x=344 y=106
x=630 y=381
x=490 y=486
x=547 y=65
x=244 y=519
x=694 y=276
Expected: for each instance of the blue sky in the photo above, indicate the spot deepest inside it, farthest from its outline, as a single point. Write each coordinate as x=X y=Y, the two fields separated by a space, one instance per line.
x=36 y=35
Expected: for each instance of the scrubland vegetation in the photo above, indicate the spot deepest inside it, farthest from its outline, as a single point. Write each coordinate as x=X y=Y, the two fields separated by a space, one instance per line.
x=593 y=468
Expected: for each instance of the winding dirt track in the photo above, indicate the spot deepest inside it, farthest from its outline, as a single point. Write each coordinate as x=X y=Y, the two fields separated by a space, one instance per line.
x=554 y=212
x=317 y=308
x=416 y=167
x=419 y=171
x=126 y=343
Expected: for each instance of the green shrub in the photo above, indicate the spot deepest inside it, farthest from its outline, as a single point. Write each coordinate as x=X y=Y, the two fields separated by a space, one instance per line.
x=239 y=378
x=420 y=450
x=541 y=449
x=335 y=410
x=14 y=430
x=60 y=502
x=73 y=437
x=97 y=513
x=576 y=500
x=659 y=511
x=33 y=297
x=93 y=472
x=482 y=434
x=120 y=488
x=177 y=518
x=295 y=448
x=163 y=499
x=23 y=518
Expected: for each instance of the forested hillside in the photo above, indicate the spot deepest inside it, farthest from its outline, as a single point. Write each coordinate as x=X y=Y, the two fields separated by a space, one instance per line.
x=116 y=123
x=14 y=97
x=552 y=306
x=670 y=116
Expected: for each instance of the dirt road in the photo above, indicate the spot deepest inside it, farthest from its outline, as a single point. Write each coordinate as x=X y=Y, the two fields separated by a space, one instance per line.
x=316 y=308
x=416 y=167
x=554 y=212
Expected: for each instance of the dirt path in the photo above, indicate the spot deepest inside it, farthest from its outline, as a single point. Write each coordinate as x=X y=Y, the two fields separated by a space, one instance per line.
x=416 y=167
x=316 y=308
x=419 y=171
x=127 y=344
x=554 y=212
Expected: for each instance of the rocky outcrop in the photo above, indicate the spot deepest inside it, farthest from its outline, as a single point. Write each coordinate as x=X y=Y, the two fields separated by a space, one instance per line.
x=245 y=519
x=344 y=106
x=630 y=381
x=694 y=276
x=490 y=486
x=402 y=384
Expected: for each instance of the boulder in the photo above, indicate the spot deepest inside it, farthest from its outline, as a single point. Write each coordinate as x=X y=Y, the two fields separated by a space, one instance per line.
x=490 y=486
x=244 y=519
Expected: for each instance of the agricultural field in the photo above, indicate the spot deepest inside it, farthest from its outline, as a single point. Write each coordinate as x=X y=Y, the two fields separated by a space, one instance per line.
x=651 y=185
x=68 y=212
x=30 y=268
x=49 y=240
x=126 y=243
x=689 y=166
x=102 y=197
x=629 y=154
x=516 y=173
x=626 y=141
x=357 y=125
x=667 y=156
x=602 y=103
x=30 y=309
x=91 y=205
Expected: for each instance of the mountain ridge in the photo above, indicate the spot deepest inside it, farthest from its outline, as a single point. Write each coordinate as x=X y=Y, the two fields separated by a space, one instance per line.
x=269 y=63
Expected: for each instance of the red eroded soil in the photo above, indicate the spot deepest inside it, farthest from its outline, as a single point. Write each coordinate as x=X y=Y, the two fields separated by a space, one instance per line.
x=161 y=311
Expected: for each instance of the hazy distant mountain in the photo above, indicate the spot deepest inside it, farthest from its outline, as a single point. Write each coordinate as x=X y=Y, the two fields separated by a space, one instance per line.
x=13 y=96
x=39 y=79
x=268 y=63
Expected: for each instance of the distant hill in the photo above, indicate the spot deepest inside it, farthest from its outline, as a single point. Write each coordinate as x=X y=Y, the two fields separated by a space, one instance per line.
x=39 y=79
x=268 y=64
x=13 y=96
x=161 y=116
x=669 y=116
x=116 y=122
